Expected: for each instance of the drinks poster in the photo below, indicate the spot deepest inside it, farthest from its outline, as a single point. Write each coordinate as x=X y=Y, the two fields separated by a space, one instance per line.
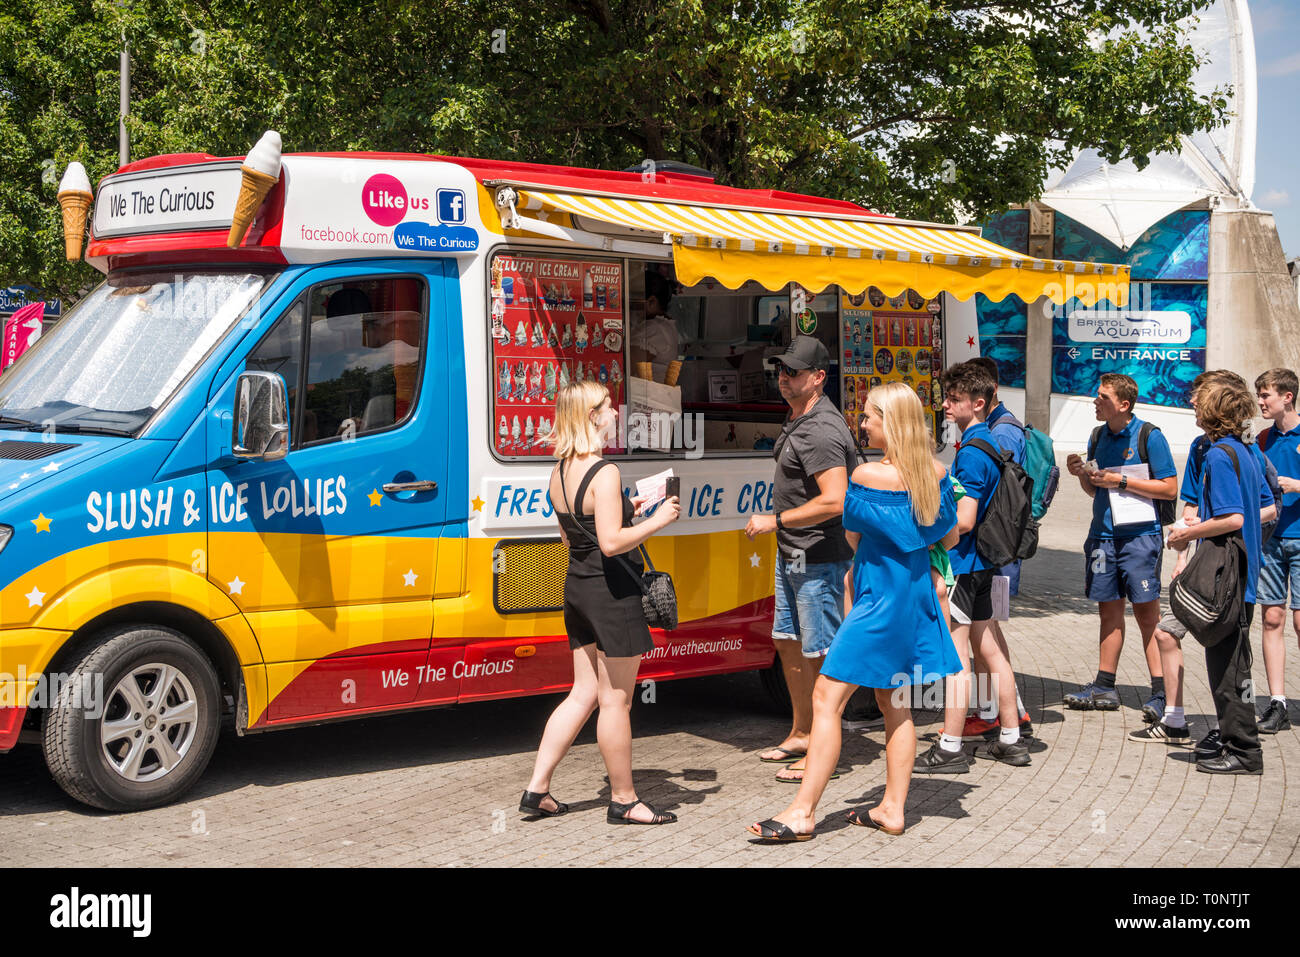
x=554 y=320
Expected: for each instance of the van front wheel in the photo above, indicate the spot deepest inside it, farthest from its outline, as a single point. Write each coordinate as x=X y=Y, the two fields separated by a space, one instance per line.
x=135 y=723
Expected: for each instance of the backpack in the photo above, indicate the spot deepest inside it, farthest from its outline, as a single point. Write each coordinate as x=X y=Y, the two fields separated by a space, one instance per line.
x=1209 y=596
x=1270 y=476
x=1165 y=508
x=1040 y=464
x=1008 y=531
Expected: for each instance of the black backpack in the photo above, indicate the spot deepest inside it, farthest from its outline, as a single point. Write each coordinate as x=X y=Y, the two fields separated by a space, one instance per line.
x=1209 y=596
x=1165 y=507
x=1008 y=531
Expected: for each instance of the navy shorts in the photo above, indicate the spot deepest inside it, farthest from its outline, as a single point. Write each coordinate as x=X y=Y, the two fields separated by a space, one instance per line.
x=1123 y=568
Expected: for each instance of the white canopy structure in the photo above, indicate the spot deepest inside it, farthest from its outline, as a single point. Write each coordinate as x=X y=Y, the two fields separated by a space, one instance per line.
x=1120 y=201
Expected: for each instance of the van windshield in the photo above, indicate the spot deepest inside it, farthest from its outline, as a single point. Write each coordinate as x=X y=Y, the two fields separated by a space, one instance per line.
x=112 y=361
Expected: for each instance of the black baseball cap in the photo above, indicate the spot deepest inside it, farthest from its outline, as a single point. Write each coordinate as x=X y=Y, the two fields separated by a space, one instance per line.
x=805 y=352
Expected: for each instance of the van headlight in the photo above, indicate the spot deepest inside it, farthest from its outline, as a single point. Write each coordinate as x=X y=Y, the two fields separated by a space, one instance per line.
x=6 y=533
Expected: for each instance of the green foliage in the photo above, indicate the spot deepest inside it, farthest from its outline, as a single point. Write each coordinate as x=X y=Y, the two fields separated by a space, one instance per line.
x=925 y=109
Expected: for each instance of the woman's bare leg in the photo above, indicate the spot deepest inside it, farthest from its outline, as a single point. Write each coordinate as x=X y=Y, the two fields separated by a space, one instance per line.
x=900 y=755
x=829 y=698
x=565 y=722
x=617 y=684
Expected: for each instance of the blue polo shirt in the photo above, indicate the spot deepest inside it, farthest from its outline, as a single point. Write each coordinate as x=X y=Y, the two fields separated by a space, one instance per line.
x=1116 y=449
x=1191 y=490
x=1226 y=496
x=1009 y=432
x=979 y=475
x=1283 y=450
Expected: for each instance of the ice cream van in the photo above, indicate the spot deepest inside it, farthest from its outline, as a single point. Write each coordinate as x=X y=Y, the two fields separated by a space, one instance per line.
x=288 y=461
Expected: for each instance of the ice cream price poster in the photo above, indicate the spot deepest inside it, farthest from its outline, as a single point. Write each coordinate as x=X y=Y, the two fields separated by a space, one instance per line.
x=555 y=320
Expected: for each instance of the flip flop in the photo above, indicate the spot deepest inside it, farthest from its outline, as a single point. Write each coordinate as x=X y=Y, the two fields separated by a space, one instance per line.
x=774 y=832
x=864 y=819
x=790 y=756
x=834 y=774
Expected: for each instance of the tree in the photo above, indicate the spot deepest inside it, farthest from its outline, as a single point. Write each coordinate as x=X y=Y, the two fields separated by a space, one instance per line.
x=924 y=109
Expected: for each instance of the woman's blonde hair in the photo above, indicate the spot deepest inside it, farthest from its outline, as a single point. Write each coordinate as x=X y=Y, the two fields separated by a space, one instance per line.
x=908 y=445
x=573 y=432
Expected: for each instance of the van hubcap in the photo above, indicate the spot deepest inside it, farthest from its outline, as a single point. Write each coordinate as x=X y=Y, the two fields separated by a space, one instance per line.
x=149 y=722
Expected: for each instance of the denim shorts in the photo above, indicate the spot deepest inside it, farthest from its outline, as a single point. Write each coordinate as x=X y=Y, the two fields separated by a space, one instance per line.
x=1280 y=566
x=1123 y=568
x=809 y=604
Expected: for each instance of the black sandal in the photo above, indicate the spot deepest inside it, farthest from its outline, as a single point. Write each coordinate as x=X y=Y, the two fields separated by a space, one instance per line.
x=531 y=803
x=618 y=814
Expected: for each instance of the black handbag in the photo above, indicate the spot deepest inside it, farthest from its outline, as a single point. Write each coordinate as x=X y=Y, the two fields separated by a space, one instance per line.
x=1209 y=596
x=658 y=596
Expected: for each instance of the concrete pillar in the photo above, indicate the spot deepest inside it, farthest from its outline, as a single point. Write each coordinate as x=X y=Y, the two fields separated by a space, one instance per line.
x=1252 y=319
x=1038 y=336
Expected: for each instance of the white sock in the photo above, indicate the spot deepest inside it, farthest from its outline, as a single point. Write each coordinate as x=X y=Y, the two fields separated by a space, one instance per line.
x=948 y=743
x=1280 y=699
x=1174 y=717
x=1009 y=735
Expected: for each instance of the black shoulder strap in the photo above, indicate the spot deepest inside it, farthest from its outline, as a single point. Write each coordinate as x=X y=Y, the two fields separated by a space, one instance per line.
x=1092 y=442
x=582 y=488
x=580 y=496
x=1143 y=434
x=988 y=450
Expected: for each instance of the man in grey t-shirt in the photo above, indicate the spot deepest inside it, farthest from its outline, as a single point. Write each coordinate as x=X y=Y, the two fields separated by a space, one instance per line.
x=815 y=454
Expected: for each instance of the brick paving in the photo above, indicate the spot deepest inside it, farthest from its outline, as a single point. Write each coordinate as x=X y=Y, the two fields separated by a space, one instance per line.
x=440 y=787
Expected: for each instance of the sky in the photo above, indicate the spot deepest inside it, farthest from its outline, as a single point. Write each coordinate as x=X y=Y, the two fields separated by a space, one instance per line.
x=1277 y=166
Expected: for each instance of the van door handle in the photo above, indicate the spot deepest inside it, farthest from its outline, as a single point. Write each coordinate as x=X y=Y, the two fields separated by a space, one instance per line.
x=417 y=486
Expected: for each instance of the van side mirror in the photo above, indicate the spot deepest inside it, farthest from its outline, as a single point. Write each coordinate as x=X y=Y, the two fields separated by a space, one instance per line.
x=261 y=428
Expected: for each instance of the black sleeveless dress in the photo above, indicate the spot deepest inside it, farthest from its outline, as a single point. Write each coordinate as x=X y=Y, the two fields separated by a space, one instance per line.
x=602 y=599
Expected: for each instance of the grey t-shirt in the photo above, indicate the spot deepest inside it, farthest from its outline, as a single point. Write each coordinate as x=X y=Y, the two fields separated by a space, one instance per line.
x=816 y=441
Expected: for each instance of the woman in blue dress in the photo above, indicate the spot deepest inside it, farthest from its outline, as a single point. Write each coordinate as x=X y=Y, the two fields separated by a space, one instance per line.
x=895 y=633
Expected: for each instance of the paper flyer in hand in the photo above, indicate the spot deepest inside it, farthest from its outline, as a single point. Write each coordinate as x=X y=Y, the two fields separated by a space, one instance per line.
x=654 y=487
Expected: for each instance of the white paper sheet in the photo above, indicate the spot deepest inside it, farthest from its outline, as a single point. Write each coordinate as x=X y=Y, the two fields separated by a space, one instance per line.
x=655 y=487
x=1126 y=508
x=1001 y=594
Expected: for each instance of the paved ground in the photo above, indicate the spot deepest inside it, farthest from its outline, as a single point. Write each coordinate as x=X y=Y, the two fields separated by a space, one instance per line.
x=441 y=787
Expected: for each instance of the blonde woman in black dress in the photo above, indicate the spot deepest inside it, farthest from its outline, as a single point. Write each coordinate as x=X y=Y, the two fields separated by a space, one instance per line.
x=602 y=603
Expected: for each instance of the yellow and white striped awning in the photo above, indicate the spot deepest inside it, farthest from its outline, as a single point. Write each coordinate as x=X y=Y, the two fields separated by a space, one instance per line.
x=733 y=245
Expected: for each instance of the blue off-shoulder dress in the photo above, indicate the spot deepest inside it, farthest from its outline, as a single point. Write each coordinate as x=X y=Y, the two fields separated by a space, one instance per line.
x=895 y=634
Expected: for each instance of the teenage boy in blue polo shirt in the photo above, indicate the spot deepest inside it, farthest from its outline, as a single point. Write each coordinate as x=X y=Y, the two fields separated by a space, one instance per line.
x=1009 y=435
x=1224 y=411
x=1276 y=392
x=1123 y=561
x=968 y=390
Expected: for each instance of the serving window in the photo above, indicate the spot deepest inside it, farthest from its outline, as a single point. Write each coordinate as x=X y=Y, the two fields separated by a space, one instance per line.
x=688 y=367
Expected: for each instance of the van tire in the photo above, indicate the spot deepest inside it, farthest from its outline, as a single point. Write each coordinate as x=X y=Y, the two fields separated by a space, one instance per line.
x=773 y=680
x=132 y=660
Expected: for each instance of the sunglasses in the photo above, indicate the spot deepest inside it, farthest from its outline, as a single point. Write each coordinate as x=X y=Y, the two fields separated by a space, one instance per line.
x=786 y=370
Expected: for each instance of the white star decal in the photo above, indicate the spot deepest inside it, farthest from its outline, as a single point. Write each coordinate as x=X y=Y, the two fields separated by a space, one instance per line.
x=13 y=486
x=52 y=467
x=410 y=577
x=236 y=586
x=754 y=560
x=35 y=598
x=25 y=476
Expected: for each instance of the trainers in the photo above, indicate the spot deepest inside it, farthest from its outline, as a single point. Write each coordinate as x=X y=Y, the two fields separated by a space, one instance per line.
x=939 y=761
x=1162 y=732
x=978 y=728
x=1093 y=697
x=1275 y=719
x=1154 y=709
x=862 y=720
x=984 y=729
x=1209 y=746
x=1015 y=754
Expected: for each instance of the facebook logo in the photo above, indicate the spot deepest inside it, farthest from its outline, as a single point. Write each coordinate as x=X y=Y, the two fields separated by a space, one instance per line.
x=451 y=206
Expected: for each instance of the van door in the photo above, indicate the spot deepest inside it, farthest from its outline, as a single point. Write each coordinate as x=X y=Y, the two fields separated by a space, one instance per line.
x=331 y=551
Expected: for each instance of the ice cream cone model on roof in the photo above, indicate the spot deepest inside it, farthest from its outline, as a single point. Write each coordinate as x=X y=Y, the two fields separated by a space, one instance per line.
x=261 y=171
x=75 y=198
